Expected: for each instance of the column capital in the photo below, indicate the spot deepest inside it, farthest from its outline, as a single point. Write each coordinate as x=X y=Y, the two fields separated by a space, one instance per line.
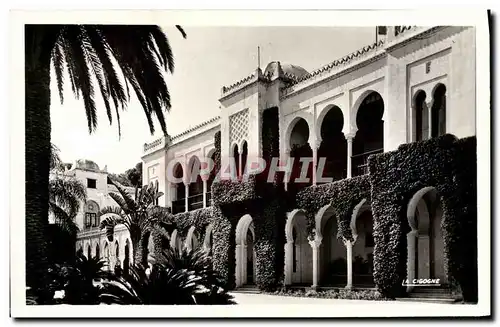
x=350 y=136
x=316 y=242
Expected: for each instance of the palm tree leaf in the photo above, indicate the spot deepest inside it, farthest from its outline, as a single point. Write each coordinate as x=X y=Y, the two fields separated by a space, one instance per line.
x=115 y=218
x=68 y=193
x=131 y=205
x=179 y=27
x=66 y=222
x=58 y=62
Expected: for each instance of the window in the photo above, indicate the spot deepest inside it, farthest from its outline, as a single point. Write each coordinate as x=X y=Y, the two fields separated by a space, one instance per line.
x=91 y=220
x=91 y=183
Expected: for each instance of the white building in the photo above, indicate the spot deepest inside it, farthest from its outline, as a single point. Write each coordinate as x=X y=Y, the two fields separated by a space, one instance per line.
x=413 y=84
x=90 y=238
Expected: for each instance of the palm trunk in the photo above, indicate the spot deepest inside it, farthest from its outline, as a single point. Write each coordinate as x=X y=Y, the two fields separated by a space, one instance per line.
x=37 y=151
x=138 y=250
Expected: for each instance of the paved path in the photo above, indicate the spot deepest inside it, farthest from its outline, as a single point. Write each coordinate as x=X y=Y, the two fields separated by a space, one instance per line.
x=249 y=298
x=245 y=298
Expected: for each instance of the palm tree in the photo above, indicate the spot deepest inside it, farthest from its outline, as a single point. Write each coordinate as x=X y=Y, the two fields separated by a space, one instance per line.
x=175 y=278
x=118 y=57
x=141 y=216
x=66 y=193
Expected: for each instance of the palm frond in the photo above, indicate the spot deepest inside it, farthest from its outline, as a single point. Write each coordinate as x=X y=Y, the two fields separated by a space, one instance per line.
x=68 y=193
x=179 y=27
x=127 y=199
x=114 y=218
x=65 y=221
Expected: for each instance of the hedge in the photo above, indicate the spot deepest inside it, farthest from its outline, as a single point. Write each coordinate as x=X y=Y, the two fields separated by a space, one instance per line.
x=342 y=195
x=263 y=201
x=448 y=165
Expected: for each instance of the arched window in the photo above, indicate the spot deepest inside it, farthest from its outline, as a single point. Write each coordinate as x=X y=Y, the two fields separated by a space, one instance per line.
x=421 y=117
x=438 y=111
x=244 y=157
x=91 y=218
x=89 y=252
x=236 y=157
x=97 y=251
x=179 y=190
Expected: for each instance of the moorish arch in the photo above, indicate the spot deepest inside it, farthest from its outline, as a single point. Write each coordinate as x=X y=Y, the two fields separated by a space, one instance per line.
x=363 y=245
x=208 y=239
x=333 y=147
x=178 y=190
x=298 y=143
x=421 y=114
x=332 y=254
x=245 y=252
x=438 y=110
x=127 y=261
x=369 y=138
x=195 y=188
x=192 y=239
x=176 y=241
x=425 y=239
x=97 y=250
x=298 y=252
x=107 y=256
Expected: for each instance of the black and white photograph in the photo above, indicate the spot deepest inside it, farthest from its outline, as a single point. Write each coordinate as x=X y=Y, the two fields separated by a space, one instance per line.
x=250 y=164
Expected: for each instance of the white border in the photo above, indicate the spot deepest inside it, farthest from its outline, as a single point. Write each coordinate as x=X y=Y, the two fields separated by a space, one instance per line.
x=449 y=16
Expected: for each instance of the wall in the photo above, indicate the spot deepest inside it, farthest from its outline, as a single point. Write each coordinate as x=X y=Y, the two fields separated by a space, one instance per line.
x=451 y=53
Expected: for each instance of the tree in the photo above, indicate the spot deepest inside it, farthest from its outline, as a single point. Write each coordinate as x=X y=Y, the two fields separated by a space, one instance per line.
x=117 y=57
x=141 y=216
x=134 y=175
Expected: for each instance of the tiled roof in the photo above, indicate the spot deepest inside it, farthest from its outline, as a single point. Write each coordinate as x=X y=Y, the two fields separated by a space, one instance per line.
x=196 y=127
x=226 y=89
x=342 y=61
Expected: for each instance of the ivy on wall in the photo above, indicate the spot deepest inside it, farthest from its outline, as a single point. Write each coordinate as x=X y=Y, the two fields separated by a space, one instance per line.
x=342 y=195
x=448 y=165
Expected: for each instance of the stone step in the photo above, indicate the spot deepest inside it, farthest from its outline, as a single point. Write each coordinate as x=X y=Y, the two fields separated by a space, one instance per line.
x=427 y=300
x=430 y=295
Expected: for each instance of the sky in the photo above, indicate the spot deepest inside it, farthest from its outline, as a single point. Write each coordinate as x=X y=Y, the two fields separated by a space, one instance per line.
x=208 y=59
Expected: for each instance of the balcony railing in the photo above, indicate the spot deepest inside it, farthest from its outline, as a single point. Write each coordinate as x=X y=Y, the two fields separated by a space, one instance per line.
x=360 y=162
x=178 y=206
x=195 y=202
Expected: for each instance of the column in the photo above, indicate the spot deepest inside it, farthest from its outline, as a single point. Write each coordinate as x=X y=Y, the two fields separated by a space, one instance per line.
x=186 y=201
x=244 y=266
x=288 y=262
x=239 y=162
x=204 y=193
x=315 y=249
x=348 y=245
x=349 y=138
x=411 y=238
x=238 y=265
x=315 y=162
x=429 y=116
x=286 y=159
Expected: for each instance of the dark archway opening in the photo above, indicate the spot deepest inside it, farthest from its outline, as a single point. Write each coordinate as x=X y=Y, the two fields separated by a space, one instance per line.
x=370 y=135
x=333 y=146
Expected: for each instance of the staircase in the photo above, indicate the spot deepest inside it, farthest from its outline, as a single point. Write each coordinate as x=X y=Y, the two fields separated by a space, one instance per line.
x=247 y=289
x=431 y=295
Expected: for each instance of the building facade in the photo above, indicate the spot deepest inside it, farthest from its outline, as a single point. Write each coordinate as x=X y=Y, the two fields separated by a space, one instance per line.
x=413 y=84
x=91 y=240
